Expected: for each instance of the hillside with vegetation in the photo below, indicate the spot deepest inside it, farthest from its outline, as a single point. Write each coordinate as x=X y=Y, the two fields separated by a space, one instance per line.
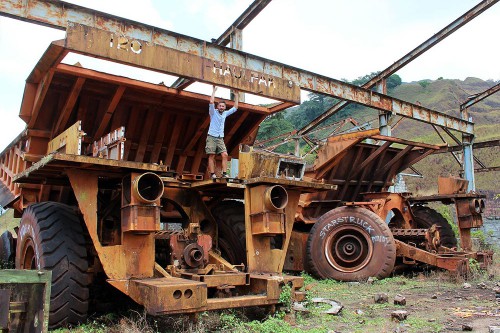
x=444 y=95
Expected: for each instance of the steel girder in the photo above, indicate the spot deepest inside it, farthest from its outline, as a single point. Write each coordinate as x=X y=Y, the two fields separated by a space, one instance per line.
x=60 y=14
x=406 y=59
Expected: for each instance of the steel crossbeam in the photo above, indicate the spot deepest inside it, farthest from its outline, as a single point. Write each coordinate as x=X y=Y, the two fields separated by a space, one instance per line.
x=217 y=64
x=406 y=59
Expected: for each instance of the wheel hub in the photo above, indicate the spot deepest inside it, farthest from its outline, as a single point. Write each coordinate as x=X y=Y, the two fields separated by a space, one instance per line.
x=348 y=249
x=28 y=258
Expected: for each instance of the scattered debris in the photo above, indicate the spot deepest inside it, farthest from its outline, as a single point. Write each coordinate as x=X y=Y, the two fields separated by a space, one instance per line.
x=432 y=320
x=336 y=306
x=434 y=296
x=481 y=285
x=399 y=300
x=355 y=283
x=381 y=298
x=299 y=307
x=371 y=280
x=466 y=327
x=359 y=312
x=497 y=293
x=399 y=315
x=494 y=329
x=467 y=285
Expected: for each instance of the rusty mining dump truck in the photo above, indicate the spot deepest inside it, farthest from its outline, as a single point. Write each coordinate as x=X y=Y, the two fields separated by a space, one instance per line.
x=361 y=230
x=108 y=181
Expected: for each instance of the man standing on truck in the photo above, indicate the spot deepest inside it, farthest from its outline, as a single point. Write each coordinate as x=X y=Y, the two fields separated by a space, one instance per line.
x=215 y=138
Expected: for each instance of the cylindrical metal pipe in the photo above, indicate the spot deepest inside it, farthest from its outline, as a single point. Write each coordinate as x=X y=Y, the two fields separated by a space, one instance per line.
x=482 y=205
x=475 y=206
x=275 y=197
x=147 y=188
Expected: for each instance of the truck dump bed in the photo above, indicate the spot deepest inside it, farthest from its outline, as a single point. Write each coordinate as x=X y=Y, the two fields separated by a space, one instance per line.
x=357 y=165
x=162 y=125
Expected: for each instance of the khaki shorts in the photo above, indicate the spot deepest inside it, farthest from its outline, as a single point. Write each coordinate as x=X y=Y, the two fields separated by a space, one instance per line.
x=215 y=145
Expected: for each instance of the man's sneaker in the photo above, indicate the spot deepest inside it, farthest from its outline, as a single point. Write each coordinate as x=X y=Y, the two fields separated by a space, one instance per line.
x=213 y=176
x=225 y=175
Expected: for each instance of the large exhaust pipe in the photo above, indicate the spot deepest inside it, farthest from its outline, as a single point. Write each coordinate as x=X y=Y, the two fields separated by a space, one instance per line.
x=275 y=198
x=147 y=188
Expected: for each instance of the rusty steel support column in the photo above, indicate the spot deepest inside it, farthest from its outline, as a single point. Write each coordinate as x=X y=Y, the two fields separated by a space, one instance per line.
x=237 y=44
x=468 y=157
x=383 y=117
x=468 y=162
x=468 y=140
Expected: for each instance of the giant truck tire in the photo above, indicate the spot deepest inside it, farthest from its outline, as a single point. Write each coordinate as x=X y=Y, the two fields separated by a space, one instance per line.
x=350 y=244
x=230 y=217
x=51 y=238
x=425 y=217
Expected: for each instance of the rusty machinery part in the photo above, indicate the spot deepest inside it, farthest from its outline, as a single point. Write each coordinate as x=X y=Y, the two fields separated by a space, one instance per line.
x=193 y=255
x=433 y=238
x=350 y=244
x=429 y=239
x=425 y=217
x=275 y=198
x=230 y=217
x=7 y=250
x=477 y=206
x=146 y=188
x=65 y=255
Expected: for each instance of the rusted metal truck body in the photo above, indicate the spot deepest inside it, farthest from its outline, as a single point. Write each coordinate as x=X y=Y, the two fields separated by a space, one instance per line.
x=108 y=179
x=361 y=230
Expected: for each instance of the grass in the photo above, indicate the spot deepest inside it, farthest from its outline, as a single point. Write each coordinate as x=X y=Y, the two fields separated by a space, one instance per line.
x=360 y=313
x=8 y=221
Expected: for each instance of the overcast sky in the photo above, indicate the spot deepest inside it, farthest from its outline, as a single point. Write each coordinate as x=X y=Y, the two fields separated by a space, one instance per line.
x=342 y=39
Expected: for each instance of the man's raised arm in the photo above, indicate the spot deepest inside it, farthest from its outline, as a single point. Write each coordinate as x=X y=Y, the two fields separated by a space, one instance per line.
x=212 y=98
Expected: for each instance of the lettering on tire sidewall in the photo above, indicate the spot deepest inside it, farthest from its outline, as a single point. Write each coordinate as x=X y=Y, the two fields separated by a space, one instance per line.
x=375 y=234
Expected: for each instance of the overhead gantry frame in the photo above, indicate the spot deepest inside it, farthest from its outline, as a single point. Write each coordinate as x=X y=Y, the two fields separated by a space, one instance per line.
x=90 y=32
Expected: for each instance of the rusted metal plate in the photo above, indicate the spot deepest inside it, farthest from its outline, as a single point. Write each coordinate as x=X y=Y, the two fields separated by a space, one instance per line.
x=4 y=308
x=452 y=185
x=181 y=62
x=296 y=253
x=29 y=300
x=244 y=79
x=69 y=141
x=169 y=295
x=304 y=186
x=57 y=163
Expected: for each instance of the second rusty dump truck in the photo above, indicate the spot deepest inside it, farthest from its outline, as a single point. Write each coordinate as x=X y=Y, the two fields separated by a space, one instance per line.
x=361 y=230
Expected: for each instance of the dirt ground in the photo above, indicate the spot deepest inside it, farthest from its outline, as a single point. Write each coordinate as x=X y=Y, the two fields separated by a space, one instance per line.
x=434 y=303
